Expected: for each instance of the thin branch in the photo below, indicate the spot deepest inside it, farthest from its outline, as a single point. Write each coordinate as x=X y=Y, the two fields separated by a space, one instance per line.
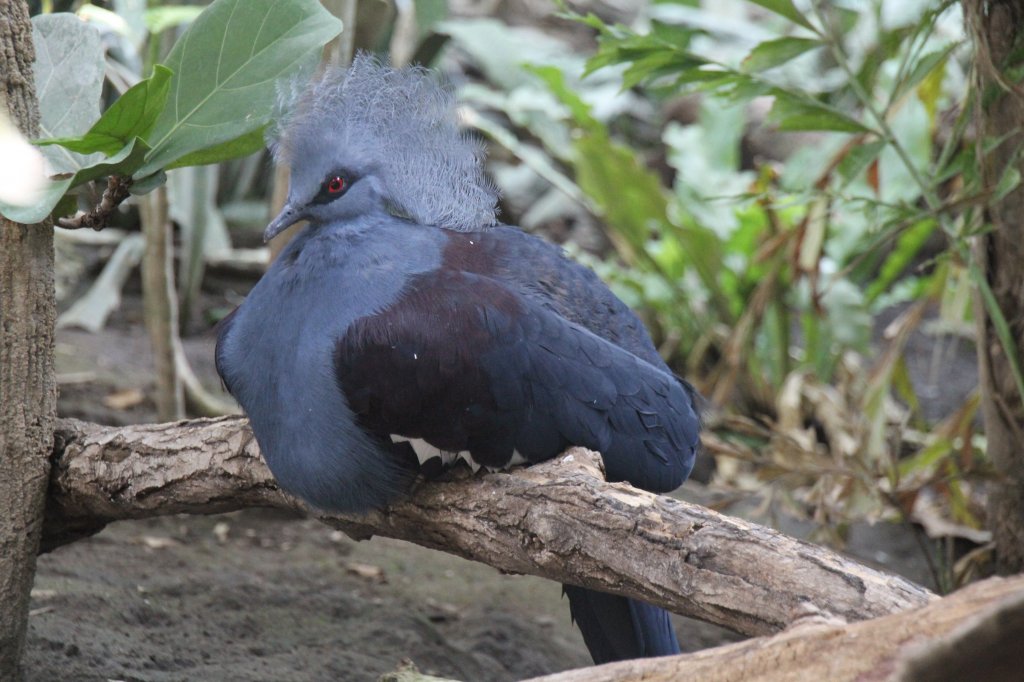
x=115 y=193
x=160 y=303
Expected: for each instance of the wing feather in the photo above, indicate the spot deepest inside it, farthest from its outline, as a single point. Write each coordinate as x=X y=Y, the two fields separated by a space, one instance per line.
x=463 y=362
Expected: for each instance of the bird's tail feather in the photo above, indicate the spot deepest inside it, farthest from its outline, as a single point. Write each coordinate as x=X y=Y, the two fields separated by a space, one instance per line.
x=618 y=628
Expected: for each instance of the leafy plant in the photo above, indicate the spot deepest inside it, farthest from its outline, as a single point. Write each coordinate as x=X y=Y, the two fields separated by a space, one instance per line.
x=765 y=280
x=209 y=102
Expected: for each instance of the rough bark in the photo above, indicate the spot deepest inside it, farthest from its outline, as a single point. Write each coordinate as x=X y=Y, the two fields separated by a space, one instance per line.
x=27 y=381
x=982 y=646
x=558 y=520
x=886 y=648
x=998 y=33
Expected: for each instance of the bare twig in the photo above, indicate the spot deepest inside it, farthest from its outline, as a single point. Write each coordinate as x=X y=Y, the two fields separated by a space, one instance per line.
x=115 y=193
x=161 y=304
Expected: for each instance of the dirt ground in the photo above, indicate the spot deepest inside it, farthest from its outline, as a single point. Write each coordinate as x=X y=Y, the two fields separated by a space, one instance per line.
x=258 y=596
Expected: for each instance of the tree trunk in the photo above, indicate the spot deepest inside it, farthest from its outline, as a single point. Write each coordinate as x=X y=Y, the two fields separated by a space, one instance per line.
x=28 y=395
x=998 y=34
x=558 y=520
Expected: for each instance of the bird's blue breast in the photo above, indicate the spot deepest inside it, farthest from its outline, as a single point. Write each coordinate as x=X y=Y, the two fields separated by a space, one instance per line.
x=275 y=355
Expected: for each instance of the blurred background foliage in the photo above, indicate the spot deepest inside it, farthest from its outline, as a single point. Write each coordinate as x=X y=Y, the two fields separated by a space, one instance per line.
x=785 y=190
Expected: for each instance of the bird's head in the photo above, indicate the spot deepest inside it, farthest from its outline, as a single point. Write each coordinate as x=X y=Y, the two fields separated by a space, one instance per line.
x=371 y=137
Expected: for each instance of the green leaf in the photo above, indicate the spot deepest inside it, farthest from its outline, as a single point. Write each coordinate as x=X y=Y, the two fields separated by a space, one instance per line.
x=1007 y=183
x=906 y=249
x=903 y=385
x=772 y=53
x=131 y=116
x=125 y=162
x=555 y=80
x=794 y=112
x=859 y=158
x=145 y=185
x=69 y=80
x=933 y=62
x=657 y=65
x=926 y=458
x=630 y=197
x=225 y=71
x=243 y=145
x=159 y=19
x=786 y=9
x=29 y=215
x=428 y=14
x=663 y=51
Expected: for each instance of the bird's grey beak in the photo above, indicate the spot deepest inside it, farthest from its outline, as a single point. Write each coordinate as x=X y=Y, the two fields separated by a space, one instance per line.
x=288 y=216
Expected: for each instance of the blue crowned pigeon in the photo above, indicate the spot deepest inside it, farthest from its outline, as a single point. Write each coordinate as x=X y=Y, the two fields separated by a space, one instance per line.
x=404 y=320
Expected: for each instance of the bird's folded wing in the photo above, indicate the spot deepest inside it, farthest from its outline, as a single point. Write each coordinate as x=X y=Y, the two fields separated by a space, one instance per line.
x=465 y=363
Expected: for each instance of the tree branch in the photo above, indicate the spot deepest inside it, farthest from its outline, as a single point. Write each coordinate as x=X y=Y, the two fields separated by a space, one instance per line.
x=891 y=648
x=559 y=520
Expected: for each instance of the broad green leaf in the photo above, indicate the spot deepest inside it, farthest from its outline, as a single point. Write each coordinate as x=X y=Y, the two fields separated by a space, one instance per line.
x=225 y=71
x=69 y=79
x=163 y=17
x=793 y=112
x=243 y=145
x=125 y=162
x=786 y=9
x=131 y=116
x=772 y=53
x=29 y=215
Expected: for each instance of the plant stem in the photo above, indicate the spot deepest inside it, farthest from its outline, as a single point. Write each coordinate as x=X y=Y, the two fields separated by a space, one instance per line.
x=160 y=303
x=836 y=47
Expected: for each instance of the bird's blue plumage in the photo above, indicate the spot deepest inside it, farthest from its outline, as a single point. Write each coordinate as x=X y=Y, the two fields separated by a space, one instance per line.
x=373 y=327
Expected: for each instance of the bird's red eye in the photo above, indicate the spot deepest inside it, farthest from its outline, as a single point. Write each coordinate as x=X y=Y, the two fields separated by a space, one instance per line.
x=336 y=184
